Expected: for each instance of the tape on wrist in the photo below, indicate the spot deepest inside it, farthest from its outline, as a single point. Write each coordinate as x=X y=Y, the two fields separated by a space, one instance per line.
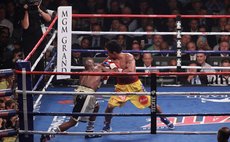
x=112 y=65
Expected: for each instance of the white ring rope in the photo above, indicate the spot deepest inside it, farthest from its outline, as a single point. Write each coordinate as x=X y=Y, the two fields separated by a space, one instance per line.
x=44 y=51
x=148 y=33
x=121 y=132
x=165 y=67
x=123 y=93
x=44 y=89
x=192 y=93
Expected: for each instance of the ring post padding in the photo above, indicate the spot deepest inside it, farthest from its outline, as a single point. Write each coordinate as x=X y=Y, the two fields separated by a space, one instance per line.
x=28 y=102
x=153 y=86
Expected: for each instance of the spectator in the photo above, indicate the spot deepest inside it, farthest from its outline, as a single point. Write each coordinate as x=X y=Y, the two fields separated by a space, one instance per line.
x=227 y=27
x=31 y=20
x=97 y=41
x=224 y=46
x=164 y=46
x=85 y=44
x=186 y=58
x=193 y=79
x=222 y=38
x=131 y=23
x=114 y=27
x=172 y=62
x=226 y=9
x=214 y=6
x=193 y=27
x=201 y=60
x=5 y=51
x=137 y=56
x=185 y=39
x=223 y=134
x=33 y=17
x=157 y=40
x=11 y=122
x=170 y=27
x=124 y=40
x=76 y=57
x=222 y=79
x=17 y=55
x=121 y=39
x=4 y=21
x=202 y=43
x=222 y=22
x=194 y=7
x=147 y=39
x=114 y=7
x=148 y=62
x=2 y=105
x=210 y=38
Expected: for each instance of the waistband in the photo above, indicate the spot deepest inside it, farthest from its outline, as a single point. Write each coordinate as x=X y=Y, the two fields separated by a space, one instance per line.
x=84 y=89
x=123 y=81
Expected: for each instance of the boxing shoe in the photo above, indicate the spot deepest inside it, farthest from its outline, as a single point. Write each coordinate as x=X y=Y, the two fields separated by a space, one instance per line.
x=171 y=126
x=46 y=138
x=107 y=128
x=167 y=123
x=87 y=136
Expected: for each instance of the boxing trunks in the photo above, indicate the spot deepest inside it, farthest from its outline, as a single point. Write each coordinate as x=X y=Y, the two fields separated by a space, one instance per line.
x=140 y=102
x=84 y=103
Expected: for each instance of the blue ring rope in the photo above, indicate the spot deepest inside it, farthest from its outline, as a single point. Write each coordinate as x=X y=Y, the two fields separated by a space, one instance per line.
x=6 y=92
x=7 y=113
x=126 y=114
x=9 y=132
x=6 y=72
x=46 y=69
x=150 y=51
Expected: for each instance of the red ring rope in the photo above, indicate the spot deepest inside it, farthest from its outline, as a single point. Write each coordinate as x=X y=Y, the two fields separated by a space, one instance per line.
x=145 y=16
x=41 y=39
x=122 y=73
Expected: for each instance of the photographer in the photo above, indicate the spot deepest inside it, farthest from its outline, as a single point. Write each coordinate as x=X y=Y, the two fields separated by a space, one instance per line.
x=33 y=19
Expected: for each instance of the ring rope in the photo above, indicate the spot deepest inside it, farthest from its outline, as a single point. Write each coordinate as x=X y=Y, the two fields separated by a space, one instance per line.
x=145 y=16
x=41 y=94
x=147 y=33
x=122 y=93
x=7 y=113
x=49 y=65
x=7 y=133
x=166 y=67
x=121 y=133
x=41 y=39
x=44 y=51
x=151 y=51
x=125 y=114
x=6 y=92
x=192 y=93
x=6 y=72
x=123 y=73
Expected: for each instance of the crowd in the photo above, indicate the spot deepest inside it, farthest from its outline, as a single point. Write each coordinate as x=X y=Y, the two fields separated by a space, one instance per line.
x=16 y=41
x=22 y=24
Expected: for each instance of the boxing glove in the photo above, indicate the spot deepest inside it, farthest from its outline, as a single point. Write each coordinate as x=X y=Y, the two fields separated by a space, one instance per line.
x=110 y=64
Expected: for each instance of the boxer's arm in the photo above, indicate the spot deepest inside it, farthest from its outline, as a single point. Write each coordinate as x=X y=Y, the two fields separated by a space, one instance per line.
x=130 y=64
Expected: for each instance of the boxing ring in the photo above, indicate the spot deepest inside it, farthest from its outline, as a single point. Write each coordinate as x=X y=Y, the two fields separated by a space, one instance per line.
x=197 y=112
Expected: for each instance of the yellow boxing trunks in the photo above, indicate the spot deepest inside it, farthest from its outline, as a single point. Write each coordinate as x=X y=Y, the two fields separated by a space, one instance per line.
x=140 y=102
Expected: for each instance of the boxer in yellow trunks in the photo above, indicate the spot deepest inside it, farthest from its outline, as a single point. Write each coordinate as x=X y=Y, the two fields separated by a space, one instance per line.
x=124 y=62
x=83 y=103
